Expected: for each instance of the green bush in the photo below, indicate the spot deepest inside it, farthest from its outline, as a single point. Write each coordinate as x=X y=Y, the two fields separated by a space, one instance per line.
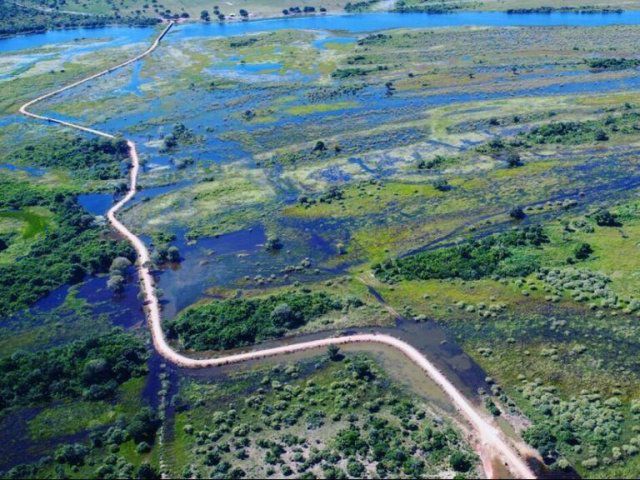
x=583 y=251
x=95 y=158
x=76 y=247
x=238 y=322
x=92 y=368
x=497 y=254
x=460 y=462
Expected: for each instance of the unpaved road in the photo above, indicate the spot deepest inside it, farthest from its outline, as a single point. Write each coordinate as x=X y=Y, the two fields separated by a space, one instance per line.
x=492 y=441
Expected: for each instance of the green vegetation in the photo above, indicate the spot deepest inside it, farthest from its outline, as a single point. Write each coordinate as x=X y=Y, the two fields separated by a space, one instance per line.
x=234 y=323
x=329 y=420
x=54 y=421
x=15 y=18
x=390 y=142
x=76 y=247
x=35 y=223
x=573 y=133
x=612 y=63
x=359 y=6
x=92 y=369
x=95 y=158
x=426 y=6
x=180 y=135
x=494 y=255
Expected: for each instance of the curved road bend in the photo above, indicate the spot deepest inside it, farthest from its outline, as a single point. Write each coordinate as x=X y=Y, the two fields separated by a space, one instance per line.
x=493 y=442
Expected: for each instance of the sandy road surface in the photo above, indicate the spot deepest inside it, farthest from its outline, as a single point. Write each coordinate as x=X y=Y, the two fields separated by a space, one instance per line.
x=493 y=442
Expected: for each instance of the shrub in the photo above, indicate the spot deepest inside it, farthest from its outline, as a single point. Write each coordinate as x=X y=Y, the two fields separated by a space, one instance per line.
x=71 y=454
x=272 y=244
x=143 y=426
x=497 y=254
x=517 y=213
x=442 y=185
x=333 y=352
x=583 y=251
x=147 y=472
x=460 y=462
x=590 y=463
x=96 y=366
x=513 y=160
x=605 y=218
x=237 y=322
x=355 y=469
x=143 y=447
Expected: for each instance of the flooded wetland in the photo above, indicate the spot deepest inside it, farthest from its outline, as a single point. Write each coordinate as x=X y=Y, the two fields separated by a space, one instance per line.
x=466 y=183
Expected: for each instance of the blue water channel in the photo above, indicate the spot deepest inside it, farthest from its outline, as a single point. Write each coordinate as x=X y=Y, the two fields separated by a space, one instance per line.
x=355 y=23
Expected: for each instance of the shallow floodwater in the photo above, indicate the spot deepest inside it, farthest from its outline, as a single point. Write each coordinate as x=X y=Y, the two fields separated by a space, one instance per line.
x=228 y=258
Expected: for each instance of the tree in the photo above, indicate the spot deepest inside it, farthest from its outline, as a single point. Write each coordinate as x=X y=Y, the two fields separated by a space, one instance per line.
x=541 y=437
x=605 y=218
x=355 y=469
x=120 y=264
x=459 y=462
x=243 y=13
x=361 y=368
x=442 y=185
x=583 y=251
x=143 y=426
x=143 y=447
x=116 y=283
x=333 y=352
x=71 y=454
x=96 y=370
x=320 y=146
x=513 y=160
x=601 y=136
x=147 y=472
x=3 y=245
x=273 y=243
x=173 y=254
x=284 y=316
x=204 y=16
x=517 y=213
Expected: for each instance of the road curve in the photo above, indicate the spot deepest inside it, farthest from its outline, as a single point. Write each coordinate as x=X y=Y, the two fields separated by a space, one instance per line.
x=492 y=440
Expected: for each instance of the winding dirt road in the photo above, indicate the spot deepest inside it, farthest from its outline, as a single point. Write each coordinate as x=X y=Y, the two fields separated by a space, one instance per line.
x=493 y=443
